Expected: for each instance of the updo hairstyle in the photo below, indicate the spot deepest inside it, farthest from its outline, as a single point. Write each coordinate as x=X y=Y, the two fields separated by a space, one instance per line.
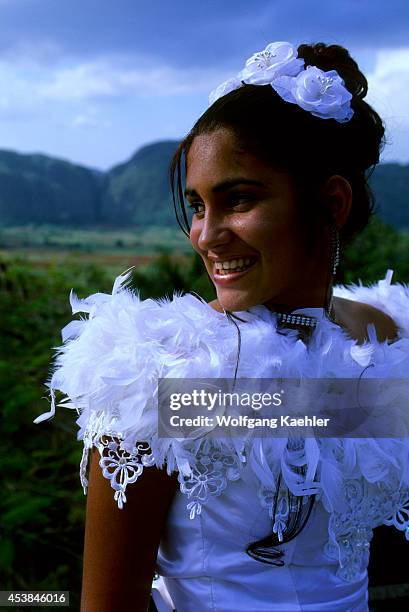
x=310 y=148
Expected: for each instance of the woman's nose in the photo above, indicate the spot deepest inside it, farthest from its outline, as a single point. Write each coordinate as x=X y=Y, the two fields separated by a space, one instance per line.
x=214 y=231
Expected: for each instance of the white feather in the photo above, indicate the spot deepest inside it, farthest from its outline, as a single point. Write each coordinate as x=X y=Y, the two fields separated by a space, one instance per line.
x=109 y=365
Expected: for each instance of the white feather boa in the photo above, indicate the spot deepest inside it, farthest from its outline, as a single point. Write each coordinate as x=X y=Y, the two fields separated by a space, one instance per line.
x=109 y=364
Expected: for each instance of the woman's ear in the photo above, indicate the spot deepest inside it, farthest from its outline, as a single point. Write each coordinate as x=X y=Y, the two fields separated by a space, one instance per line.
x=337 y=198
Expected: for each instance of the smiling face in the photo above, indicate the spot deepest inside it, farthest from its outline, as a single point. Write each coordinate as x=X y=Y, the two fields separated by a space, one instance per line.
x=245 y=214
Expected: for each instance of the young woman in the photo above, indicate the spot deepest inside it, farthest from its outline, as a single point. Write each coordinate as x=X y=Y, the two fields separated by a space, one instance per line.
x=275 y=172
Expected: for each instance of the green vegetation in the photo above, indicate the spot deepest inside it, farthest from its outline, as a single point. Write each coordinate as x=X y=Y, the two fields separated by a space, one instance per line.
x=378 y=248
x=42 y=505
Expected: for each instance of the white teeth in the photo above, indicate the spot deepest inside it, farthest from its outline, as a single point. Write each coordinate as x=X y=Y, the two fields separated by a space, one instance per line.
x=237 y=265
x=232 y=265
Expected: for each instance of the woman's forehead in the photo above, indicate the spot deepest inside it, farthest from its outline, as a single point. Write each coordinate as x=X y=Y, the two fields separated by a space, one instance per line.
x=219 y=156
x=216 y=145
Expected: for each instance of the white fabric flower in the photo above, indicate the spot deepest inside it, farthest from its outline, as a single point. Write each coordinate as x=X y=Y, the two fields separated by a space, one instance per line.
x=277 y=59
x=224 y=88
x=321 y=93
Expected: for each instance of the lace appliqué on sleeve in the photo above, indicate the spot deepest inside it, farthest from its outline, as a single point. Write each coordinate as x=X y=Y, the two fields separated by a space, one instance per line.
x=351 y=530
x=400 y=518
x=122 y=467
x=210 y=475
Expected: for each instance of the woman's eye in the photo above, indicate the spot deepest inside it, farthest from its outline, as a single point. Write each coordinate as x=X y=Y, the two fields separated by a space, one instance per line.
x=233 y=201
x=193 y=206
x=237 y=199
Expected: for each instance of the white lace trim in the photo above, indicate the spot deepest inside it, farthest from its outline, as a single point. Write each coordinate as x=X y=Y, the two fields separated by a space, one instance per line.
x=211 y=473
x=351 y=530
x=123 y=468
x=366 y=505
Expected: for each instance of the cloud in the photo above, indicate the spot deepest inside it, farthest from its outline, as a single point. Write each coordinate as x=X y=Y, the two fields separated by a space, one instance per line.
x=388 y=93
x=75 y=65
x=110 y=79
x=89 y=118
x=79 y=82
x=391 y=70
x=18 y=87
x=389 y=85
x=191 y=34
x=25 y=86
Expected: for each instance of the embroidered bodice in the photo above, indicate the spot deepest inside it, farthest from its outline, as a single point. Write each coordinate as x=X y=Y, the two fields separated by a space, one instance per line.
x=108 y=368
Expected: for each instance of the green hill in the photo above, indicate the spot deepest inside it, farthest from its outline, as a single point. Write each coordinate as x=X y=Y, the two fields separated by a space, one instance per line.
x=40 y=189
x=390 y=183
x=137 y=192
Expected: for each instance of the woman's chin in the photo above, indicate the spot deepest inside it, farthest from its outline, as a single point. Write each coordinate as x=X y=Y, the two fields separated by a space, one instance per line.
x=239 y=304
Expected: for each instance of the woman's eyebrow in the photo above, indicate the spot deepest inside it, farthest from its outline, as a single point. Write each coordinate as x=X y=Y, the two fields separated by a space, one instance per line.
x=228 y=184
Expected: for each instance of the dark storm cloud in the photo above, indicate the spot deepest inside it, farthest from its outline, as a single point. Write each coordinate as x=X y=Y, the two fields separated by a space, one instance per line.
x=193 y=33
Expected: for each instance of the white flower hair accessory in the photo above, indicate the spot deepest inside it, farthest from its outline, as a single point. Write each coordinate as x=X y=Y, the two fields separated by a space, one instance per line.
x=321 y=93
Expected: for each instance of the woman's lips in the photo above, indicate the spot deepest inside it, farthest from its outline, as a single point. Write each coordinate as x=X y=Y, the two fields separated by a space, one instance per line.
x=224 y=279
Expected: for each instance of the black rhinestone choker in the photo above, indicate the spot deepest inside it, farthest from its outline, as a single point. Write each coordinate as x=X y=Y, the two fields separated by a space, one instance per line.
x=296 y=319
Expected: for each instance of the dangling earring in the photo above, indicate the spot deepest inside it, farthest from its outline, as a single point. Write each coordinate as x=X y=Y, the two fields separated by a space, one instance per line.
x=334 y=261
x=335 y=248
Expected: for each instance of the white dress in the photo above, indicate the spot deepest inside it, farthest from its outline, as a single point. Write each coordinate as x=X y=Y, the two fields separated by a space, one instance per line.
x=108 y=369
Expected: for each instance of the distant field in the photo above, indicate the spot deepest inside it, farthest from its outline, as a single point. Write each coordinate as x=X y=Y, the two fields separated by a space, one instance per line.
x=116 y=250
x=142 y=241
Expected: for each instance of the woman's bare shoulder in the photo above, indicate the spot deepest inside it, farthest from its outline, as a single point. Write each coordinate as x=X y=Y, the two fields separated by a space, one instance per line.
x=355 y=316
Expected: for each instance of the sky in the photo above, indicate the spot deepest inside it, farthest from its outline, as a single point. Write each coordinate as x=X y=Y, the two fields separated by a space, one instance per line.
x=92 y=81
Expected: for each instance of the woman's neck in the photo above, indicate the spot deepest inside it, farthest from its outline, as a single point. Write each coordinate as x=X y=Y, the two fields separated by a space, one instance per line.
x=309 y=301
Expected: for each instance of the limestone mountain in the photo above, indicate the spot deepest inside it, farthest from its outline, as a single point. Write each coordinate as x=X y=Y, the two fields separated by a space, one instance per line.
x=36 y=188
